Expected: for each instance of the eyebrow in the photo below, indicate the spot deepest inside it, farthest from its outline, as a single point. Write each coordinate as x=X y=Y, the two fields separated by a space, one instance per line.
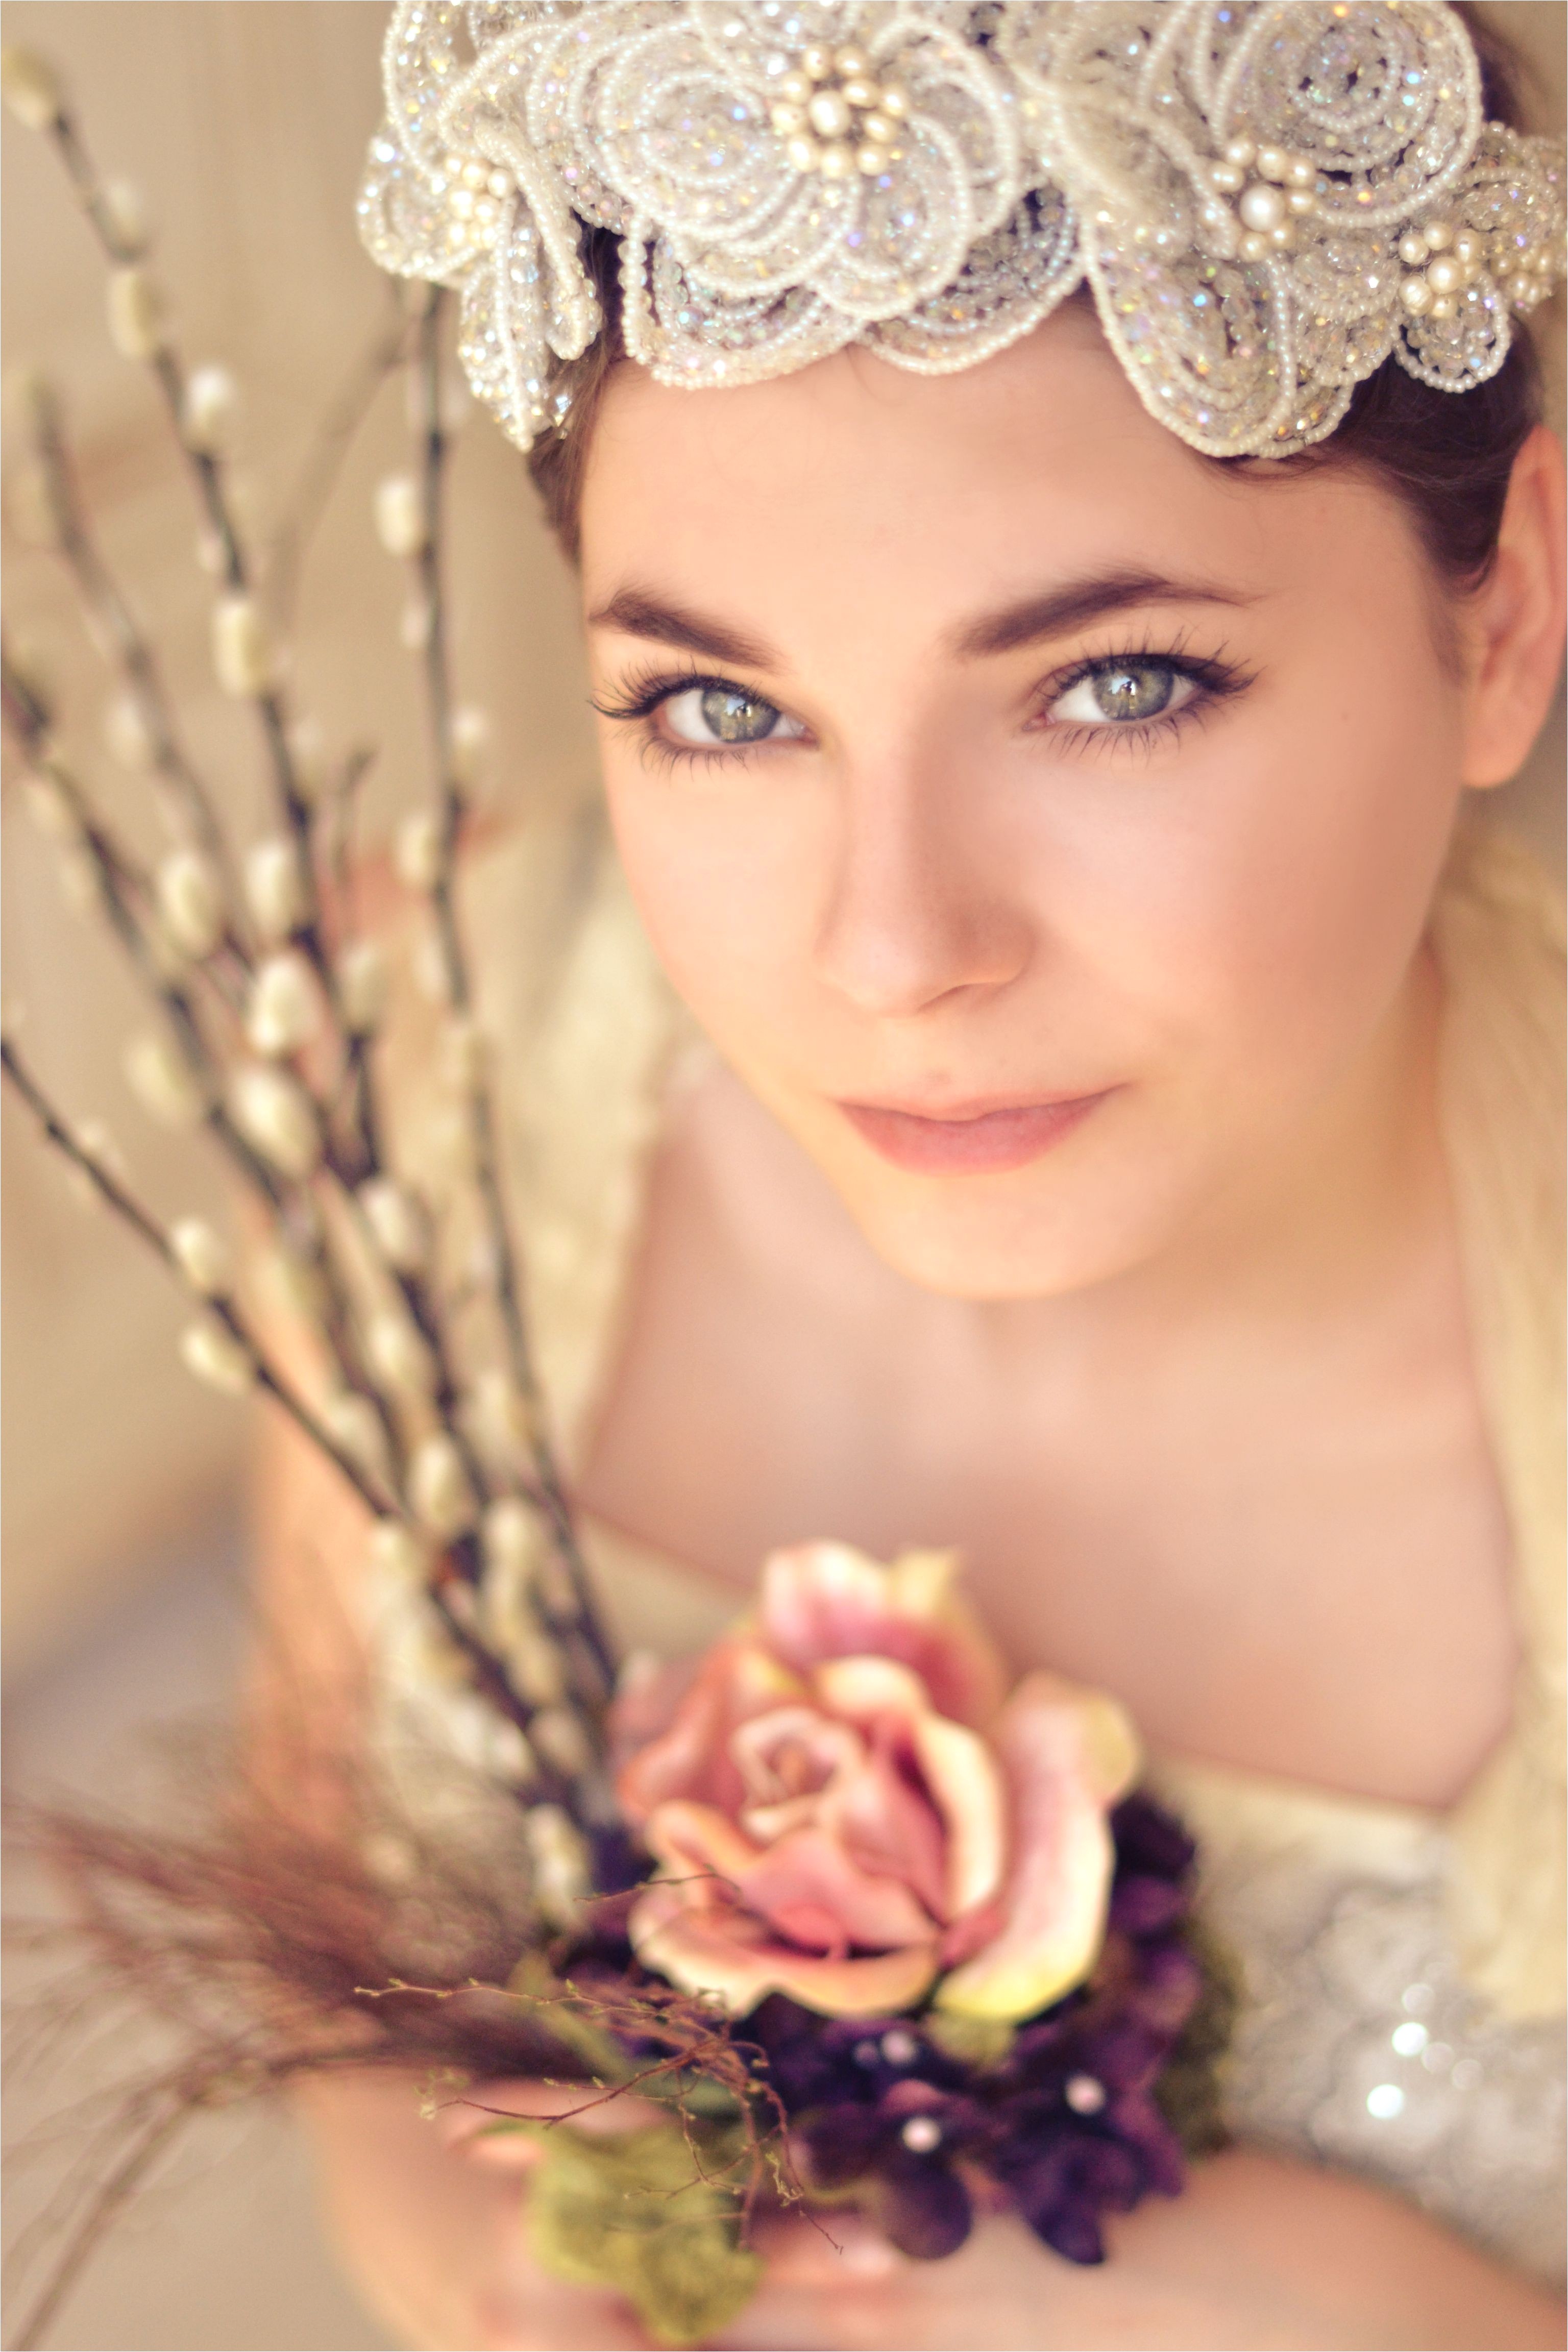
x=1053 y=612
x=1058 y=611
x=638 y=613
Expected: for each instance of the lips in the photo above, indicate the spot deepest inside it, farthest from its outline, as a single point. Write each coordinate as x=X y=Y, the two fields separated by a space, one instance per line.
x=976 y=1143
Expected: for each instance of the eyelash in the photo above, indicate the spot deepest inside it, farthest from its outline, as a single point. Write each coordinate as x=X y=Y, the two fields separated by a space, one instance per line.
x=647 y=689
x=1217 y=680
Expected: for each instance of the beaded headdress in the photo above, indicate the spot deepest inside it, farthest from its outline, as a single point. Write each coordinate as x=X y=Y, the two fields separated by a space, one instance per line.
x=1265 y=200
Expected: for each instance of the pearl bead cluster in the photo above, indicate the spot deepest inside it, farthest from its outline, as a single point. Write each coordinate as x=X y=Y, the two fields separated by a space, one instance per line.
x=477 y=194
x=835 y=119
x=1275 y=188
x=1443 y=260
x=676 y=122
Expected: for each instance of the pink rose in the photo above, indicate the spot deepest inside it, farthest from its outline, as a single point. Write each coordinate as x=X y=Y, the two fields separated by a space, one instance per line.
x=844 y=1810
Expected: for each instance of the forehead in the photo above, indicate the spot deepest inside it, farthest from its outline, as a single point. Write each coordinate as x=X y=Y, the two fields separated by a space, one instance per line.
x=801 y=503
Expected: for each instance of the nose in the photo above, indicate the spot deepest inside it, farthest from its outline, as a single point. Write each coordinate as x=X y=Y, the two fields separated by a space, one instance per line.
x=918 y=907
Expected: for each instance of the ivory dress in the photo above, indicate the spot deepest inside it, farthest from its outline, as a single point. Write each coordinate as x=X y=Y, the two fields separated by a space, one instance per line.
x=1402 y=2006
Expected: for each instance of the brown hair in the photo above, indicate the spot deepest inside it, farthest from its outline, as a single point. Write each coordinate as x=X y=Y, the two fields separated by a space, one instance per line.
x=1446 y=457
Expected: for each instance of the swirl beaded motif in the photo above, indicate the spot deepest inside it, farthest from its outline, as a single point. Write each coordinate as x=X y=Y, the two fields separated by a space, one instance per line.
x=1266 y=197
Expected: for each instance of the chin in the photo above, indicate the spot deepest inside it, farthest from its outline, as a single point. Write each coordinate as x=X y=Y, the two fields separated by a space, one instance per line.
x=990 y=1238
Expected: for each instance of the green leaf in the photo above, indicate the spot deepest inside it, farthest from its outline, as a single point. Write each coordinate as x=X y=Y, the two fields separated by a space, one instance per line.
x=979 y=2041
x=1188 y=2092
x=650 y=2213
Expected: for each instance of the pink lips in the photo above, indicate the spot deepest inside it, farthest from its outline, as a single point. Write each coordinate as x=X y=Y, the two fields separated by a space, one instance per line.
x=986 y=1143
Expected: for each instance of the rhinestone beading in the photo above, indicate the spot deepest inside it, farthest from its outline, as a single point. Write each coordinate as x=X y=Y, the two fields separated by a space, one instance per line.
x=1267 y=199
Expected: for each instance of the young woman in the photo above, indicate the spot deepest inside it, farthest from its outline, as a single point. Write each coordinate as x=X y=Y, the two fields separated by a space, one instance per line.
x=1057 y=1064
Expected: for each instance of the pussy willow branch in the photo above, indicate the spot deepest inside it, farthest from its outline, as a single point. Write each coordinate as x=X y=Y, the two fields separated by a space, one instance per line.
x=357 y=1100
x=346 y=1167
x=489 y=1673
x=118 y=627
x=27 y=721
x=125 y=892
x=339 y=1323
x=206 y=471
x=481 y=1104
x=117 y=1196
x=545 y=1783
x=207 y=475
x=30 y=722
x=125 y=887
x=422 y=1311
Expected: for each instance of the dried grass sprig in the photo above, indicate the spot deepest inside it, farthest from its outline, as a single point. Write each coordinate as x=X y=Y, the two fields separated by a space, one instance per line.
x=243 y=1933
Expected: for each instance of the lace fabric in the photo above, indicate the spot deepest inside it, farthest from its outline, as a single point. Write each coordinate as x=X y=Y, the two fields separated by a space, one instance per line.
x=1401 y=2015
x=1359 y=2044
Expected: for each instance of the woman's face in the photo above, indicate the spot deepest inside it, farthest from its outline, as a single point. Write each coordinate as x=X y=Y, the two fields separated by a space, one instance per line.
x=1040 y=820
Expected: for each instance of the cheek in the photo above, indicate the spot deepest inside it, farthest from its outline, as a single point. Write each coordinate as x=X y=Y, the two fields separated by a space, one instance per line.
x=1257 y=920
x=721 y=869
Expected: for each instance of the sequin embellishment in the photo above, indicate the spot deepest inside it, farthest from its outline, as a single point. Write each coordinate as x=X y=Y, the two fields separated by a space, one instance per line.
x=1266 y=199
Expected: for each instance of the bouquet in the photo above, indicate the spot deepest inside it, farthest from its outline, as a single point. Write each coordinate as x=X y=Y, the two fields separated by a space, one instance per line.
x=866 y=1926
x=947 y=1936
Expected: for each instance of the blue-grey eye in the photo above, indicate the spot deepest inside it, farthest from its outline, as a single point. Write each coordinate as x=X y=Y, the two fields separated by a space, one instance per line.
x=725 y=714
x=1124 y=692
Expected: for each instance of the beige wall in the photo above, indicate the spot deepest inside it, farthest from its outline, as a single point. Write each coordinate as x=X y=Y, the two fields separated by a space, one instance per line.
x=244 y=122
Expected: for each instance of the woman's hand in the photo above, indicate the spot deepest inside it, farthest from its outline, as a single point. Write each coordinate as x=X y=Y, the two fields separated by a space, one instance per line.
x=428 y=2216
x=1259 y=2252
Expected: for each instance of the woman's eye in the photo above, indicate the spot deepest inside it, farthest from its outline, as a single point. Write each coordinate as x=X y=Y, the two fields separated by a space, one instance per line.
x=725 y=714
x=1124 y=692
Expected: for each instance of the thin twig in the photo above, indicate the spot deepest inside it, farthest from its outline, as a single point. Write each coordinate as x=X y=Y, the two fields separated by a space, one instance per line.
x=125 y=892
x=384 y=351
x=106 y=2202
x=338 y=825
x=697 y=2040
x=207 y=472
x=119 y=629
x=117 y=1196
x=423 y=1313
x=544 y=1781
x=29 y=721
x=584 y=1631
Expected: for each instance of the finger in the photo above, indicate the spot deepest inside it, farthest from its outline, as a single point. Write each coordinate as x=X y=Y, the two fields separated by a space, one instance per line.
x=853 y=2319
x=500 y=2149
x=553 y=2318
x=833 y=2284
x=823 y=2249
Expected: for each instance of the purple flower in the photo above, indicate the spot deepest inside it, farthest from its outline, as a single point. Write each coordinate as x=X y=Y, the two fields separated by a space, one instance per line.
x=1144 y=1905
x=1064 y=2120
x=1150 y=1839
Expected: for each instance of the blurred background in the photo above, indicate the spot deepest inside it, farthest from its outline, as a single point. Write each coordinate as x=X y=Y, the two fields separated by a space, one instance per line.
x=242 y=124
